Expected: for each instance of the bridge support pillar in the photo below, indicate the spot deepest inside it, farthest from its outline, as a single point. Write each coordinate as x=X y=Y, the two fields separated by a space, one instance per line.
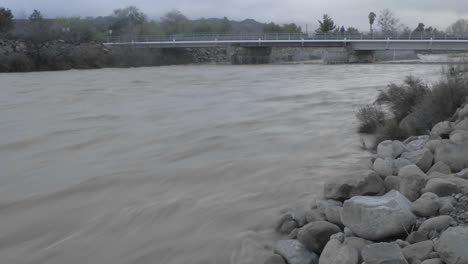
x=250 y=55
x=361 y=56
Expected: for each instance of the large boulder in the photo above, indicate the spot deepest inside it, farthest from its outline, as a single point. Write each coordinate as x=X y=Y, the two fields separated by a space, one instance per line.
x=416 y=237
x=390 y=149
x=295 y=253
x=454 y=155
x=412 y=181
x=383 y=253
x=442 y=129
x=384 y=167
x=286 y=224
x=440 y=167
x=438 y=224
x=314 y=215
x=463 y=113
x=314 y=236
x=332 y=210
x=358 y=183
x=453 y=245
x=427 y=205
x=422 y=158
x=337 y=252
x=459 y=137
x=376 y=218
x=432 y=144
x=441 y=187
x=418 y=251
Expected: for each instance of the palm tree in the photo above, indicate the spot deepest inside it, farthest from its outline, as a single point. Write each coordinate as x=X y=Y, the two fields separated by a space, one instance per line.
x=372 y=17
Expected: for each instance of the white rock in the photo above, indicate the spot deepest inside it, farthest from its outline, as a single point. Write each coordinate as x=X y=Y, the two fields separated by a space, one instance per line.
x=383 y=253
x=376 y=218
x=422 y=158
x=390 y=149
x=453 y=245
x=295 y=253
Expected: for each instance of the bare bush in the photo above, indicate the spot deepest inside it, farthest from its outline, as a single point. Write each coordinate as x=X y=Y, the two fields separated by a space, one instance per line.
x=370 y=118
x=402 y=98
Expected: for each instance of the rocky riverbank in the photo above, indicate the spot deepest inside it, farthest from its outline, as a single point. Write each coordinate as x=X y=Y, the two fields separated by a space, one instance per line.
x=408 y=206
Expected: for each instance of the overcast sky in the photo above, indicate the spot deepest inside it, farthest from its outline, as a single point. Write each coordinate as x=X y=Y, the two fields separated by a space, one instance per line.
x=345 y=12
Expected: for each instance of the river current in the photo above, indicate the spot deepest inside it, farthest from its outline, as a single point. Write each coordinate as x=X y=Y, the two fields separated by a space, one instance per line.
x=177 y=164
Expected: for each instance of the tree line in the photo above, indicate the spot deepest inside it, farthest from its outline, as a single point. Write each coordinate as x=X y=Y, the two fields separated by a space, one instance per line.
x=131 y=21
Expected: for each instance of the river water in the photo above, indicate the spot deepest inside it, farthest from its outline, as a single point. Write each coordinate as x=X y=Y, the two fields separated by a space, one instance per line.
x=178 y=164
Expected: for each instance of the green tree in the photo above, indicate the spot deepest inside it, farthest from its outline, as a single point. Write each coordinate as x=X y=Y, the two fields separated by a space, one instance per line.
x=6 y=20
x=371 y=17
x=128 y=20
x=420 y=27
x=352 y=31
x=291 y=28
x=203 y=27
x=174 y=22
x=272 y=28
x=326 y=25
x=225 y=26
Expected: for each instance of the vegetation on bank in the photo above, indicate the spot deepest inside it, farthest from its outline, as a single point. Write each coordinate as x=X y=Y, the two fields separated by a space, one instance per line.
x=413 y=107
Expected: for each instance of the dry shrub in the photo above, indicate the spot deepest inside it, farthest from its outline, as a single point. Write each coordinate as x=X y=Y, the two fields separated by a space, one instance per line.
x=370 y=118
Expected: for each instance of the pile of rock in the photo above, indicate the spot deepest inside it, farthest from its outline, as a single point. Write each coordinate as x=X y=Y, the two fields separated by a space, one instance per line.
x=409 y=207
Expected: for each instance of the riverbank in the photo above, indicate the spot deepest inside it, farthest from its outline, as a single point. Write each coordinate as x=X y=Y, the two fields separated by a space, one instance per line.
x=407 y=205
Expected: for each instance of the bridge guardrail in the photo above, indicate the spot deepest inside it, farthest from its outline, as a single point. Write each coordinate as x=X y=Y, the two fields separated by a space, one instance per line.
x=285 y=36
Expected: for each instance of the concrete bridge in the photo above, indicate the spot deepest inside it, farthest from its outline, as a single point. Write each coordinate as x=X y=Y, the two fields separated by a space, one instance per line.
x=358 y=48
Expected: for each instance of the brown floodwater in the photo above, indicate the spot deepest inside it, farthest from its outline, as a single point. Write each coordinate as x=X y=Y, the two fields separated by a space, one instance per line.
x=178 y=164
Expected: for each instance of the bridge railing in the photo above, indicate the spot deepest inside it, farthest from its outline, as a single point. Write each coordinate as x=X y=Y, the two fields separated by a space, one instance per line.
x=285 y=36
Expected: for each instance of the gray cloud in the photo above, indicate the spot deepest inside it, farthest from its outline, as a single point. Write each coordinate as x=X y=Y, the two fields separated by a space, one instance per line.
x=345 y=12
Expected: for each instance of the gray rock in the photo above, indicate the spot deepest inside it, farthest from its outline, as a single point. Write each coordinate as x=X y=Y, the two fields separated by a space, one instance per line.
x=314 y=236
x=314 y=215
x=454 y=155
x=383 y=253
x=427 y=205
x=416 y=237
x=446 y=205
x=336 y=252
x=295 y=253
x=384 y=167
x=442 y=129
x=422 y=158
x=390 y=149
x=440 y=167
x=432 y=144
x=434 y=255
x=333 y=213
x=462 y=125
x=438 y=224
x=416 y=143
x=402 y=243
x=453 y=245
x=400 y=163
x=459 y=137
x=418 y=251
x=357 y=183
x=392 y=183
x=412 y=181
x=439 y=175
x=293 y=234
x=348 y=232
x=441 y=187
x=376 y=218
x=462 y=174
x=462 y=184
x=286 y=224
x=432 y=261
x=463 y=113
x=275 y=259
